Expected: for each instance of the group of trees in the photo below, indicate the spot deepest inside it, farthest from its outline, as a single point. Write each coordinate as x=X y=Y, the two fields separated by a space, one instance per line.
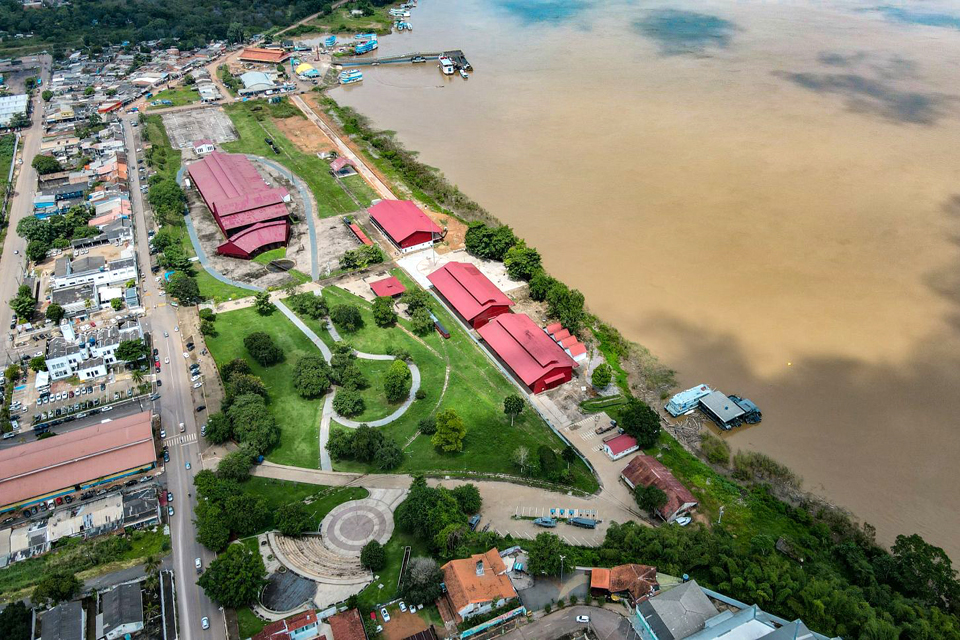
x=15 y=621
x=55 y=232
x=439 y=517
x=208 y=326
x=262 y=348
x=384 y=315
x=365 y=444
x=307 y=304
x=165 y=196
x=640 y=421
x=46 y=164
x=244 y=415
x=262 y=304
x=417 y=301
x=223 y=510
x=346 y=317
x=345 y=373
x=361 y=257
x=23 y=304
x=235 y=577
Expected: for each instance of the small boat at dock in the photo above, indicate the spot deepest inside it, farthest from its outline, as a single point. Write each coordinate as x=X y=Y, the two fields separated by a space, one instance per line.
x=446 y=66
x=464 y=74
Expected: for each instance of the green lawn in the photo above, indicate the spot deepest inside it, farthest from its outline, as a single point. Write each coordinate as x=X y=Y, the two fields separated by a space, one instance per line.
x=6 y=157
x=476 y=390
x=269 y=256
x=156 y=134
x=322 y=499
x=250 y=624
x=360 y=189
x=179 y=96
x=213 y=289
x=373 y=595
x=299 y=419
x=374 y=397
x=253 y=122
x=340 y=21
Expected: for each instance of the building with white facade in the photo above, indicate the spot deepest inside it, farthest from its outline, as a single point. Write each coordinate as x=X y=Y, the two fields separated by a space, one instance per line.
x=89 y=354
x=94 y=270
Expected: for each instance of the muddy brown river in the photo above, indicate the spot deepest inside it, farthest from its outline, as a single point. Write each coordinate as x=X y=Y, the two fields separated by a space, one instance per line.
x=766 y=194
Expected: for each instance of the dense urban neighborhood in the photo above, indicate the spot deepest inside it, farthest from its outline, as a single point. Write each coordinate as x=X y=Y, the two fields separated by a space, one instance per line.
x=270 y=377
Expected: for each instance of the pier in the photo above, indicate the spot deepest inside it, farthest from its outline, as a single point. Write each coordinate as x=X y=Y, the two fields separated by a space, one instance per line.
x=460 y=60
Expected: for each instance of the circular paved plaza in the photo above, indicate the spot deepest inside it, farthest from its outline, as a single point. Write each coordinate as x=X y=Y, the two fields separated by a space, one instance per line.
x=353 y=524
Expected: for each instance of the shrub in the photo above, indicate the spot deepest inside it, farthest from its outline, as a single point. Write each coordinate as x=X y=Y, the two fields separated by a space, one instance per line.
x=420 y=394
x=262 y=348
x=428 y=425
x=372 y=556
x=347 y=317
x=307 y=304
x=715 y=449
x=397 y=381
x=348 y=403
x=601 y=376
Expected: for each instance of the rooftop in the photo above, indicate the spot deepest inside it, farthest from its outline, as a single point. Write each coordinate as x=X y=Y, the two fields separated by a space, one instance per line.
x=638 y=580
x=524 y=346
x=644 y=471
x=467 y=289
x=678 y=612
x=347 y=626
x=621 y=443
x=122 y=605
x=477 y=579
x=63 y=622
x=388 y=287
x=401 y=219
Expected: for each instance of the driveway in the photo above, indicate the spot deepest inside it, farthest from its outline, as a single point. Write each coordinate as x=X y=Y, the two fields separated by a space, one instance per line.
x=605 y=624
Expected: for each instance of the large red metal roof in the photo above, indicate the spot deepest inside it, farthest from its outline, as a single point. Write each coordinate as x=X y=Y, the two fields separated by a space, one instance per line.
x=75 y=457
x=231 y=185
x=256 y=54
x=249 y=240
x=524 y=346
x=401 y=219
x=621 y=443
x=644 y=471
x=388 y=287
x=467 y=289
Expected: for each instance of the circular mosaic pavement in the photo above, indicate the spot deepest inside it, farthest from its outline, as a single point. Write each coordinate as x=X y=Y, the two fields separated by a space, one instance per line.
x=353 y=524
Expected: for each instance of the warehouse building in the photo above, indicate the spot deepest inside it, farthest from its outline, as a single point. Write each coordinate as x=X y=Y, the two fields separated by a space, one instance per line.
x=469 y=293
x=528 y=351
x=405 y=225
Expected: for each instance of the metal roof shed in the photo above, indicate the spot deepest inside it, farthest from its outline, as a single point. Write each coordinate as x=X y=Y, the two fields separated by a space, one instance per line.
x=721 y=409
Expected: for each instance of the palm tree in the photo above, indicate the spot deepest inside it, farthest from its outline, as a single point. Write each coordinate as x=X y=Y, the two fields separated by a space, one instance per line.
x=137 y=376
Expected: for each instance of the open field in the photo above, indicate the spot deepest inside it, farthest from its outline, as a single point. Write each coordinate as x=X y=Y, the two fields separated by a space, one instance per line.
x=299 y=419
x=475 y=389
x=390 y=574
x=213 y=289
x=179 y=96
x=254 y=121
x=6 y=157
x=340 y=21
x=281 y=492
x=156 y=134
x=269 y=256
x=374 y=396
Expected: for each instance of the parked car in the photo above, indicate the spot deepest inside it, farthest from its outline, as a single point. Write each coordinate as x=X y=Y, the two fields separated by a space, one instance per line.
x=188 y=466
x=197 y=385
x=201 y=408
x=583 y=619
x=383 y=612
x=166 y=456
x=403 y=607
x=159 y=382
x=170 y=511
x=205 y=622
x=169 y=496
x=163 y=433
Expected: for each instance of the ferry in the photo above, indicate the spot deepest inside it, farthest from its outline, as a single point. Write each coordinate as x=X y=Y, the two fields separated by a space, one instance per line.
x=687 y=401
x=350 y=77
x=446 y=65
x=399 y=13
x=400 y=25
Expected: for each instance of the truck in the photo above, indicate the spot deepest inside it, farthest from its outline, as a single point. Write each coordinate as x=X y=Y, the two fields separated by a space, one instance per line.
x=606 y=427
x=585 y=523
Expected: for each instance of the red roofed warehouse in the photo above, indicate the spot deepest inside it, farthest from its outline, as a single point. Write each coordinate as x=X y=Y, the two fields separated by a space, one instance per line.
x=408 y=228
x=620 y=446
x=469 y=293
x=645 y=471
x=252 y=215
x=477 y=584
x=347 y=626
x=531 y=354
x=44 y=469
x=269 y=56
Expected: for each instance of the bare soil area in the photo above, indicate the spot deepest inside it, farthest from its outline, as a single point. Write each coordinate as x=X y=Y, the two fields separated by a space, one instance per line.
x=403 y=625
x=456 y=231
x=304 y=134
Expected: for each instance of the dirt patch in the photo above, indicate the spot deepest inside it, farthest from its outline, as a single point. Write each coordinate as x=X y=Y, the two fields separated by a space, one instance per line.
x=305 y=135
x=403 y=625
x=456 y=231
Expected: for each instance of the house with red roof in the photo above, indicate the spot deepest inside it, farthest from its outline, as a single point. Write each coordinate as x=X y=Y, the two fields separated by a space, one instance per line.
x=477 y=584
x=302 y=626
x=252 y=215
x=388 y=287
x=347 y=625
x=620 y=446
x=533 y=357
x=267 y=56
x=407 y=227
x=638 y=581
x=343 y=167
x=469 y=293
x=646 y=471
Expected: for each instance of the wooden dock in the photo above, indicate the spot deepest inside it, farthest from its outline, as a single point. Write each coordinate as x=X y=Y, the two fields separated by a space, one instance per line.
x=459 y=60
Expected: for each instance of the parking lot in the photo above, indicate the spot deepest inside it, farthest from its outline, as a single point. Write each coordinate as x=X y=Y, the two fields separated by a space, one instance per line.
x=184 y=127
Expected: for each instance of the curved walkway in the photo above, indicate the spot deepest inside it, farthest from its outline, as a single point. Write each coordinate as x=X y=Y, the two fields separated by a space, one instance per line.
x=328 y=413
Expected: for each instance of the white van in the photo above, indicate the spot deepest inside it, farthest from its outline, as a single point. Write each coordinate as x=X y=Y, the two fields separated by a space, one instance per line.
x=198 y=564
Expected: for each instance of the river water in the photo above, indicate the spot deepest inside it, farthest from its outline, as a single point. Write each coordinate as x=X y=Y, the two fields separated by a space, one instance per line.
x=764 y=193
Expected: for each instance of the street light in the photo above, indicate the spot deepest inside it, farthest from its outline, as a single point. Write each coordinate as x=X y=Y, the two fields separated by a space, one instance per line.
x=561 y=567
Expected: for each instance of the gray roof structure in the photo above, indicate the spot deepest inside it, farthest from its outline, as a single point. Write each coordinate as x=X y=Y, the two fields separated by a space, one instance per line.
x=71 y=295
x=721 y=406
x=678 y=612
x=63 y=622
x=122 y=605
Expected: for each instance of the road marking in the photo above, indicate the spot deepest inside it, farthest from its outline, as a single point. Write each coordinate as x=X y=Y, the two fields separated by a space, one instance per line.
x=184 y=439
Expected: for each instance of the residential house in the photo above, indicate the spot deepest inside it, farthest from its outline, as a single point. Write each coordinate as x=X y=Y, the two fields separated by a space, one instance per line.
x=346 y=625
x=67 y=621
x=638 y=581
x=646 y=471
x=90 y=353
x=620 y=446
x=95 y=270
x=121 y=612
x=477 y=584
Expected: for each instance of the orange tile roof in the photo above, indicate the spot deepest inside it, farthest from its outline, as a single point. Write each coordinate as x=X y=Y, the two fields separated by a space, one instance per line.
x=465 y=586
x=256 y=54
x=347 y=626
x=638 y=580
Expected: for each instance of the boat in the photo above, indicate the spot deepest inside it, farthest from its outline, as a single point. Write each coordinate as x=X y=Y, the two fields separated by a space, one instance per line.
x=687 y=401
x=751 y=412
x=350 y=77
x=417 y=59
x=545 y=522
x=400 y=25
x=446 y=66
x=464 y=74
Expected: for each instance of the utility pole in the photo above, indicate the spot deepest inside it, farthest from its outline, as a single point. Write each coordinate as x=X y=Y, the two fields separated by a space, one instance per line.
x=561 y=567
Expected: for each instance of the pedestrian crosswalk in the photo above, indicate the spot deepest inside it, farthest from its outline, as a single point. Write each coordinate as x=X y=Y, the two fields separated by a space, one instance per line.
x=588 y=435
x=184 y=439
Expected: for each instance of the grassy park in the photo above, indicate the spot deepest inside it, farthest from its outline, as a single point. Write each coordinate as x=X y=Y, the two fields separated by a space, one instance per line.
x=179 y=96
x=322 y=500
x=254 y=122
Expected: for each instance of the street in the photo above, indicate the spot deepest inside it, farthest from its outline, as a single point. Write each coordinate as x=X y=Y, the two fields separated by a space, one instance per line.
x=605 y=624
x=176 y=407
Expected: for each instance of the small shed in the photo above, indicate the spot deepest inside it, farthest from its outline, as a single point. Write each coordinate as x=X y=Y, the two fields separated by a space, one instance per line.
x=343 y=167
x=388 y=288
x=203 y=147
x=622 y=445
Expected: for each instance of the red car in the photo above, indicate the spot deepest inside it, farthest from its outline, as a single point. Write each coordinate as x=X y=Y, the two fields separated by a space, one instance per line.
x=156 y=363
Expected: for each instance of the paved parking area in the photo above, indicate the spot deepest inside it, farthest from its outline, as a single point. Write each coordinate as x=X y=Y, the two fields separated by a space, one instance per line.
x=184 y=127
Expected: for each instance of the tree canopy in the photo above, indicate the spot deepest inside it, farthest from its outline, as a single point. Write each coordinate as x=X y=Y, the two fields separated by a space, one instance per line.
x=46 y=164
x=488 y=242
x=311 y=376
x=347 y=317
x=450 y=431
x=640 y=421
x=384 y=314
x=372 y=556
x=292 y=519
x=397 y=381
x=235 y=577
x=131 y=350
x=184 y=288
x=262 y=348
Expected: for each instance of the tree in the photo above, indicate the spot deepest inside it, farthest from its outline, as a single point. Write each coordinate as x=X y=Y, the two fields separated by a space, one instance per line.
x=307 y=304
x=421 y=322
x=212 y=529
x=361 y=257
x=540 y=285
x=925 y=571
x=544 y=554
x=184 y=288
x=24 y=303
x=19 y=120
x=415 y=299
x=384 y=314
x=292 y=519
x=38 y=363
x=389 y=456
x=237 y=365
x=236 y=464
x=450 y=431
x=15 y=621
x=57 y=586
x=513 y=406
x=520 y=456
x=263 y=305
x=131 y=350
x=47 y=95
x=175 y=257
x=262 y=348
x=468 y=497
x=346 y=317
x=489 y=242
x=640 y=421
x=397 y=381
x=208 y=328
x=522 y=262
x=246 y=515
x=428 y=425
x=566 y=305
x=372 y=556
x=348 y=403
x=117 y=304
x=219 y=429
x=421 y=581
x=55 y=313
x=207 y=314
x=46 y=164
x=569 y=455
x=37 y=250
x=243 y=383
x=235 y=578
x=650 y=499
x=601 y=376
x=253 y=423
x=311 y=376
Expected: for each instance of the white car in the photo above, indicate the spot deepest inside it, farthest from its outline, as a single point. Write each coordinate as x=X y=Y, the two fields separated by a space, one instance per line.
x=166 y=335
x=583 y=619
x=182 y=428
x=197 y=385
x=386 y=616
x=176 y=328
x=163 y=433
x=205 y=622
x=683 y=520
x=166 y=361
x=403 y=607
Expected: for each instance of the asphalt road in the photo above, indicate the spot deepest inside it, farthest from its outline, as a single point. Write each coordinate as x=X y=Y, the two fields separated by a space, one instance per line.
x=605 y=624
x=177 y=406
x=21 y=205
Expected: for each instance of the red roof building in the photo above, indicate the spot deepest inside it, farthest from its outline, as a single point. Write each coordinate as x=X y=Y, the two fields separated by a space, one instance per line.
x=342 y=167
x=622 y=445
x=531 y=354
x=300 y=626
x=553 y=328
x=44 y=469
x=470 y=293
x=477 y=584
x=638 y=580
x=347 y=626
x=361 y=236
x=252 y=215
x=269 y=56
x=645 y=471
x=387 y=288
x=407 y=227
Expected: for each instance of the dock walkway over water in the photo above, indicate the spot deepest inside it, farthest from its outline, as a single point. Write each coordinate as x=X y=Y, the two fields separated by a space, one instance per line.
x=456 y=55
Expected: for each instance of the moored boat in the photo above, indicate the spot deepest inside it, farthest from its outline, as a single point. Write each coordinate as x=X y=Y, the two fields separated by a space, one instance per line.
x=446 y=66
